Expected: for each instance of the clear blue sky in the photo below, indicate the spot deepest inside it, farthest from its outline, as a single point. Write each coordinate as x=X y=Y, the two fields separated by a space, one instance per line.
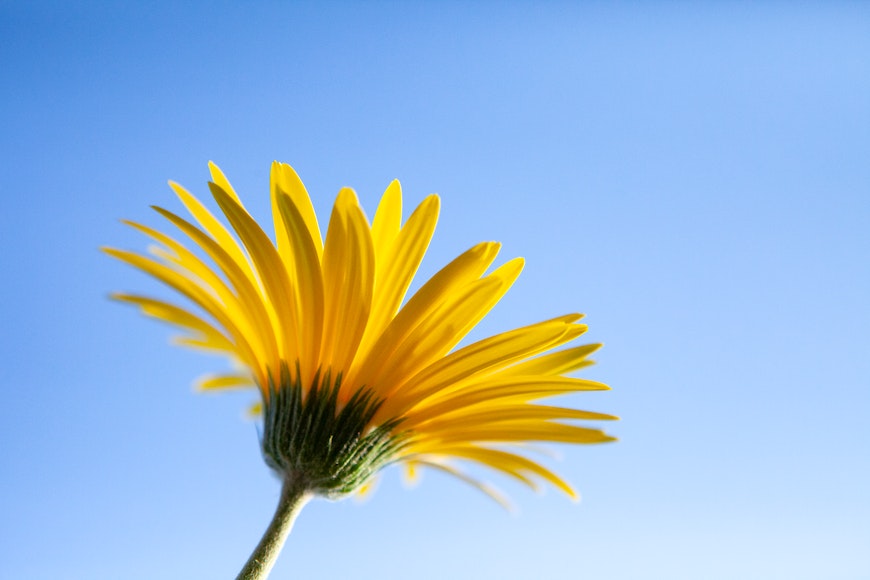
x=693 y=176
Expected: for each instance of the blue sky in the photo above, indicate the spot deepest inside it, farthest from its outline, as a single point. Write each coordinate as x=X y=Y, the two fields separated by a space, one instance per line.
x=692 y=176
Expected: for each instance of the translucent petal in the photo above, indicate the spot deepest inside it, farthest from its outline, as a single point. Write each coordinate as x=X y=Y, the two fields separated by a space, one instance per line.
x=395 y=269
x=512 y=464
x=487 y=489
x=555 y=363
x=487 y=355
x=188 y=263
x=271 y=270
x=491 y=390
x=517 y=431
x=248 y=308
x=197 y=295
x=388 y=220
x=442 y=329
x=224 y=382
x=285 y=180
x=308 y=284
x=467 y=267
x=181 y=318
x=215 y=229
x=348 y=278
x=220 y=179
x=499 y=412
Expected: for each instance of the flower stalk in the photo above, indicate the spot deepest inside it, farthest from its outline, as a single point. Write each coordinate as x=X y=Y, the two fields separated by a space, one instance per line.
x=294 y=495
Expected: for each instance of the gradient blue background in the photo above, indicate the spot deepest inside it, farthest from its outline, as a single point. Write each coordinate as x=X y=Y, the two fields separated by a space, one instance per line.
x=693 y=176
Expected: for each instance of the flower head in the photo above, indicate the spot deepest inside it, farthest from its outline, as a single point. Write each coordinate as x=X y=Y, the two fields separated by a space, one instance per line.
x=350 y=376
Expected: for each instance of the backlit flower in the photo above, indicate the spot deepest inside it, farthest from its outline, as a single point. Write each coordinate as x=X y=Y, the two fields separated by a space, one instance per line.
x=350 y=377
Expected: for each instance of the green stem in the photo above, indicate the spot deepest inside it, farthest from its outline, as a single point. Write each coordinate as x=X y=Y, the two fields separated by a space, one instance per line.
x=293 y=497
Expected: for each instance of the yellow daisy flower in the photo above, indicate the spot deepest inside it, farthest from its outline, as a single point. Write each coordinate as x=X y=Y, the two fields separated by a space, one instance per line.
x=350 y=378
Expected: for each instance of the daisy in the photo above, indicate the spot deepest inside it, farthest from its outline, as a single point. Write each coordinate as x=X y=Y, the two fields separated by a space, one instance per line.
x=352 y=377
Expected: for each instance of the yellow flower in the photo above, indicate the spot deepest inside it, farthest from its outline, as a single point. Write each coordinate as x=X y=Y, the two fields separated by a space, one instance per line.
x=351 y=379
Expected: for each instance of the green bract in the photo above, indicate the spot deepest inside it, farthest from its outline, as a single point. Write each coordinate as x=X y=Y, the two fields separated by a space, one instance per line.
x=320 y=444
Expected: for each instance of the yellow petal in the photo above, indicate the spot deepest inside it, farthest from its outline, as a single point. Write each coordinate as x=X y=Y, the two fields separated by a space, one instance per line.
x=555 y=363
x=511 y=464
x=468 y=266
x=188 y=263
x=271 y=271
x=487 y=489
x=494 y=412
x=249 y=310
x=487 y=355
x=285 y=180
x=519 y=431
x=224 y=382
x=388 y=220
x=442 y=329
x=308 y=284
x=172 y=314
x=396 y=266
x=255 y=411
x=214 y=228
x=220 y=179
x=348 y=277
x=201 y=298
x=490 y=390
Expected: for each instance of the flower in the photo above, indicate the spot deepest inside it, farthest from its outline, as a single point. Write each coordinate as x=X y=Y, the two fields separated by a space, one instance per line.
x=349 y=378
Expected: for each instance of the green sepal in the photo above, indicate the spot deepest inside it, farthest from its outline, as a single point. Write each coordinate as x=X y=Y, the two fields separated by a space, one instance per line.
x=330 y=451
